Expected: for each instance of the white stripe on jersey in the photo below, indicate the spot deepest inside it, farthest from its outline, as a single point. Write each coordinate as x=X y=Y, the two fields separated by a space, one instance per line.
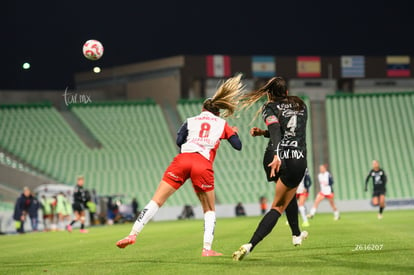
x=204 y=132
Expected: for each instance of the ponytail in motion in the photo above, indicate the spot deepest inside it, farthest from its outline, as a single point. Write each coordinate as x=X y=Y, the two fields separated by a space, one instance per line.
x=275 y=90
x=226 y=97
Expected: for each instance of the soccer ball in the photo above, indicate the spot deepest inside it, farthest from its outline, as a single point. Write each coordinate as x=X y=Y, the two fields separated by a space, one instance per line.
x=93 y=49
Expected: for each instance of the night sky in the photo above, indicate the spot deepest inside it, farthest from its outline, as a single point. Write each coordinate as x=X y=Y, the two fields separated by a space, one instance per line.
x=50 y=34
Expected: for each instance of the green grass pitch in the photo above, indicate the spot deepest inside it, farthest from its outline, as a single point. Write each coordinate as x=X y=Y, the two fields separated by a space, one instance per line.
x=358 y=243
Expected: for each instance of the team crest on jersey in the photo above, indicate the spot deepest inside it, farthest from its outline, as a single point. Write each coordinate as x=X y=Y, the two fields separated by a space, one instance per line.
x=271 y=119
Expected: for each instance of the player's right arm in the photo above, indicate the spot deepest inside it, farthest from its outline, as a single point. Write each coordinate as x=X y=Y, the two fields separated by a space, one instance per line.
x=275 y=135
x=366 y=181
x=256 y=131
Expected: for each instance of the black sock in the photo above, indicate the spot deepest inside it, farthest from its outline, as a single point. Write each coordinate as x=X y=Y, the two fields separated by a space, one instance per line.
x=72 y=222
x=381 y=209
x=292 y=216
x=265 y=227
x=82 y=226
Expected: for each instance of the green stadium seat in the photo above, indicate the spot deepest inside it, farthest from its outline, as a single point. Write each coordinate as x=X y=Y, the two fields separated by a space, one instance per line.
x=366 y=127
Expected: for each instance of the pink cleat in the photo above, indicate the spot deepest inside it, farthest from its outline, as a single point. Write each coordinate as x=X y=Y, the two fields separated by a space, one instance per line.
x=83 y=231
x=210 y=253
x=69 y=228
x=126 y=241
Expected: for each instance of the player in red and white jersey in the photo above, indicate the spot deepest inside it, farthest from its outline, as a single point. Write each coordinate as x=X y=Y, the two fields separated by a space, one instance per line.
x=199 y=138
x=203 y=134
x=326 y=191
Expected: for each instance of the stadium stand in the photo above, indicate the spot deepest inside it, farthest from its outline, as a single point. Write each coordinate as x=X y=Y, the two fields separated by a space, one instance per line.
x=8 y=161
x=366 y=127
x=137 y=146
x=29 y=129
x=239 y=175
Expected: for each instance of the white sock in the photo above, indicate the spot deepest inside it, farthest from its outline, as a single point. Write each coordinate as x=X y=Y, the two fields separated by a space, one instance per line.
x=313 y=211
x=209 y=224
x=145 y=216
x=303 y=213
x=336 y=214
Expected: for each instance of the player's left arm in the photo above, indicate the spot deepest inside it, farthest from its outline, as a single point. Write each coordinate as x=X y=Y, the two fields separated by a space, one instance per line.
x=230 y=133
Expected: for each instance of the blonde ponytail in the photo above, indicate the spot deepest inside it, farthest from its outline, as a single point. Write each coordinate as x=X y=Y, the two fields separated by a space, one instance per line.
x=226 y=97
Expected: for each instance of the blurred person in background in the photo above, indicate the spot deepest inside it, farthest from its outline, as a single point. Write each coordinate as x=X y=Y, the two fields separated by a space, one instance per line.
x=46 y=205
x=326 y=191
x=379 y=180
x=55 y=217
x=187 y=212
x=263 y=204
x=94 y=196
x=302 y=194
x=34 y=212
x=63 y=210
x=135 y=207
x=79 y=205
x=91 y=205
x=240 y=210
x=111 y=209
x=21 y=209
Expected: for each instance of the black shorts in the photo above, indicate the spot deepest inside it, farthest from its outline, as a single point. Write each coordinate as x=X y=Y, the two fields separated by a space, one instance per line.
x=291 y=171
x=378 y=193
x=78 y=206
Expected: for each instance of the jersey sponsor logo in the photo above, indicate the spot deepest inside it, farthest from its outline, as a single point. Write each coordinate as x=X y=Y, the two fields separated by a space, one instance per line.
x=207 y=141
x=206 y=118
x=291 y=154
x=171 y=174
x=289 y=113
x=283 y=106
x=377 y=176
x=377 y=179
x=271 y=119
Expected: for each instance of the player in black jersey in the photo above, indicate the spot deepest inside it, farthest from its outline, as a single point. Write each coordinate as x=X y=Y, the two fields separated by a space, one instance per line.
x=284 y=159
x=379 y=180
x=79 y=203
